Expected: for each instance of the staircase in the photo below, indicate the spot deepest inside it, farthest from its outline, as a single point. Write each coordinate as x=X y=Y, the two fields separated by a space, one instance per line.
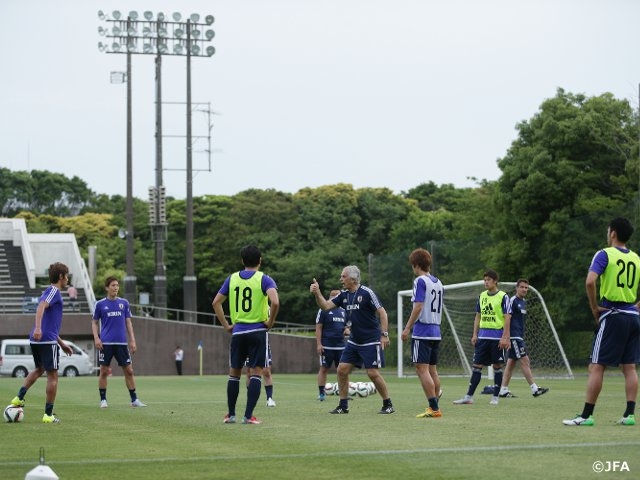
x=15 y=294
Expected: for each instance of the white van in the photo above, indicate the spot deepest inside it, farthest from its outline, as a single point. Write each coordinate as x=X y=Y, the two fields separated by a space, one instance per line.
x=16 y=359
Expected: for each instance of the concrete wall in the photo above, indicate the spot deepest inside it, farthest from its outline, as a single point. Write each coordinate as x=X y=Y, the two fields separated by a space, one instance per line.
x=157 y=339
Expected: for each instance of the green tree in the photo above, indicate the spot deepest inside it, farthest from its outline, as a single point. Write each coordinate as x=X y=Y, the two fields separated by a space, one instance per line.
x=572 y=167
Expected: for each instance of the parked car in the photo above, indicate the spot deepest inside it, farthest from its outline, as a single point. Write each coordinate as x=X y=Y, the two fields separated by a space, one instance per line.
x=16 y=359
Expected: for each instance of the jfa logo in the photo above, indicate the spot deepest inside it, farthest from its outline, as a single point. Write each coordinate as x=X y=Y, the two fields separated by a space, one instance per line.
x=611 y=466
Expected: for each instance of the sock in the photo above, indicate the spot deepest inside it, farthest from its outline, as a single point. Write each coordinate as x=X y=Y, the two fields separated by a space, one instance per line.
x=497 y=375
x=504 y=390
x=253 y=394
x=476 y=376
x=132 y=394
x=534 y=387
x=631 y=408
x=433 y=403
x=587 y=411
x=233 y=390
x=321 y=389
x=103 y=393
x=387 y=403
x=344 y=403
x=268 y=389
x=22 y=392
x=48 y=408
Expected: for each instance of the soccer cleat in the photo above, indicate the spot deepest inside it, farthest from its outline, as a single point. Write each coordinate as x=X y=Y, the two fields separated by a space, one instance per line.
x=580 y=422
x=494 y=401
x=321 y=397
x=16 y=402
x=138 y=403
x=103 y=404
x=50 y=418
x=629 y=420
x=510 y=395
x=440 y=394
x=339 y=410
x=229 y=418
x=271 y=402
x=387 y=410
x=540 y=391
x=251 y=421
x=429 y=413
x=466 y=400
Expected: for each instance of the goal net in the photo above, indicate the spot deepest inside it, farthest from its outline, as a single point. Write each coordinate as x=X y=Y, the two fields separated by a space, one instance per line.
x=545 y=352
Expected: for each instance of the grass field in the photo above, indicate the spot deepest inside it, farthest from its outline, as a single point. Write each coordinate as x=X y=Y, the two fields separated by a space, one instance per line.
x=181 y=434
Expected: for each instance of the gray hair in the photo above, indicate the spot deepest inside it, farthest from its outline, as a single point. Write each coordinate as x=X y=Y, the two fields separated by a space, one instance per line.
x=353 y=272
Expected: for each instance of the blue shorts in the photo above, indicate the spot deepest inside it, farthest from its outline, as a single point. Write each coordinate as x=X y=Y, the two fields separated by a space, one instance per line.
x=367 y=356
x=330 y=357
x=617 y=340
x=518 y=349
x=246 y=362
x=120 y=352
x=249 y=349
x=425 y=351
x=46 y=355
x=488 y=352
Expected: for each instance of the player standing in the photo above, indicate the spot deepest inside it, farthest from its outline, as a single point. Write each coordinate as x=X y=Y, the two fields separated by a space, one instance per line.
x=331 y=328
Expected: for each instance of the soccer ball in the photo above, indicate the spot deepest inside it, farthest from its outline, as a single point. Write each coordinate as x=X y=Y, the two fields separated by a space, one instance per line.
x=353 y=388
x=330 y=388
x=372 y=388
x=362 y=389
x=13 y=414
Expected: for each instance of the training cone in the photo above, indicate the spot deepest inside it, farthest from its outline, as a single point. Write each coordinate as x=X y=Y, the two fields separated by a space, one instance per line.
x=42 y=471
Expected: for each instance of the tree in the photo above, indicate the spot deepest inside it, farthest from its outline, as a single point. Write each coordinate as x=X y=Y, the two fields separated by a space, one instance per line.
x=570 y=170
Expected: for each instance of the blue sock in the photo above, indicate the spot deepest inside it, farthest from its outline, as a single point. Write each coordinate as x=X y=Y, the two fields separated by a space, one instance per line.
x=268 y=389
x=253 y=394
x=476 y=376
x=233 y=390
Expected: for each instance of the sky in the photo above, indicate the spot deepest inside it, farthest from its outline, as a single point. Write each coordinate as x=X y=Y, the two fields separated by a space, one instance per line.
x=305 y=93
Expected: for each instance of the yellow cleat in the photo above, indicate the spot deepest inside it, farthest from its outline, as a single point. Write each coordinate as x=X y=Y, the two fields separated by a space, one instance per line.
x=429 y=413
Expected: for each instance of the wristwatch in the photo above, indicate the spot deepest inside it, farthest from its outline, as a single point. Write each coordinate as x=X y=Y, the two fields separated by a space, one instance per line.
x=385 y=334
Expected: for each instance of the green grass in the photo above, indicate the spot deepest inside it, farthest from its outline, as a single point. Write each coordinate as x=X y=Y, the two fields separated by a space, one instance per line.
x=181 y=434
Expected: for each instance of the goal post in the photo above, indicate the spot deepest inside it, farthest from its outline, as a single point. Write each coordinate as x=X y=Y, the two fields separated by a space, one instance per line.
x=547 y=357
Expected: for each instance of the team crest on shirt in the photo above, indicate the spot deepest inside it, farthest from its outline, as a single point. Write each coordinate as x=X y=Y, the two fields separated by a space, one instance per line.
x=121 y=306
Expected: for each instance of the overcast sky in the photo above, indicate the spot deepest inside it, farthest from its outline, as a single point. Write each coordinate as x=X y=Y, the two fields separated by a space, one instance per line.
x=376 y=93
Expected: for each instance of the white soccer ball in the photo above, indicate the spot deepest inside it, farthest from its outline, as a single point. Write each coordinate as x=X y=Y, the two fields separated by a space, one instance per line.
x=330 y=388
x=13 y=414
x=362 y=389
x=372 y=388
x=353 y=388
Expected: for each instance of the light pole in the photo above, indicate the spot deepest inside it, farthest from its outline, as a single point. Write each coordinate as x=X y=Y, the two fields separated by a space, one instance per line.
x=158 y=36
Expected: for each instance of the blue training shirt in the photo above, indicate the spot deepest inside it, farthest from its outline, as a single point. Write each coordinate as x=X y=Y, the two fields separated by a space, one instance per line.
x=52 y=317
x=429 y=291
x=361 y=307
x=518 y=317
x=333 y=324
x=112 y=315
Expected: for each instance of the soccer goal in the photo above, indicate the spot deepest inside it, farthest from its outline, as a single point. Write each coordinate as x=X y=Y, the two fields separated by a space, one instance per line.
x=545 y=351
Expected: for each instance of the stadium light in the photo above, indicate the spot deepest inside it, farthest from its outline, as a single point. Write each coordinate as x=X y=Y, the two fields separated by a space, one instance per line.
x=159 y=35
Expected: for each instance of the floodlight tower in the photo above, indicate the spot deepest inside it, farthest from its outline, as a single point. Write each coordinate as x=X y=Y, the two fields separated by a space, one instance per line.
x=159 y=36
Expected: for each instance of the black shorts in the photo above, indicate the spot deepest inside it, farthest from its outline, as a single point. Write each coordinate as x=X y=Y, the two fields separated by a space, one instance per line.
x=330 y=357
x=617 y=340
x=46 y=355
x=518 y=349
x=488 y=352
x=120 y=352
x=249 y=349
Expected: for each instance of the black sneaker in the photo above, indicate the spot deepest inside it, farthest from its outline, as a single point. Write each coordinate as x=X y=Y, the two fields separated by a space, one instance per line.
x=508 y=395
x=387 y=410
x=540 y=391
x=339 y=410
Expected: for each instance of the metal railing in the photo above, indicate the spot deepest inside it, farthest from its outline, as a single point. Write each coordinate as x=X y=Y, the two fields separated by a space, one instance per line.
x=207 y=318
